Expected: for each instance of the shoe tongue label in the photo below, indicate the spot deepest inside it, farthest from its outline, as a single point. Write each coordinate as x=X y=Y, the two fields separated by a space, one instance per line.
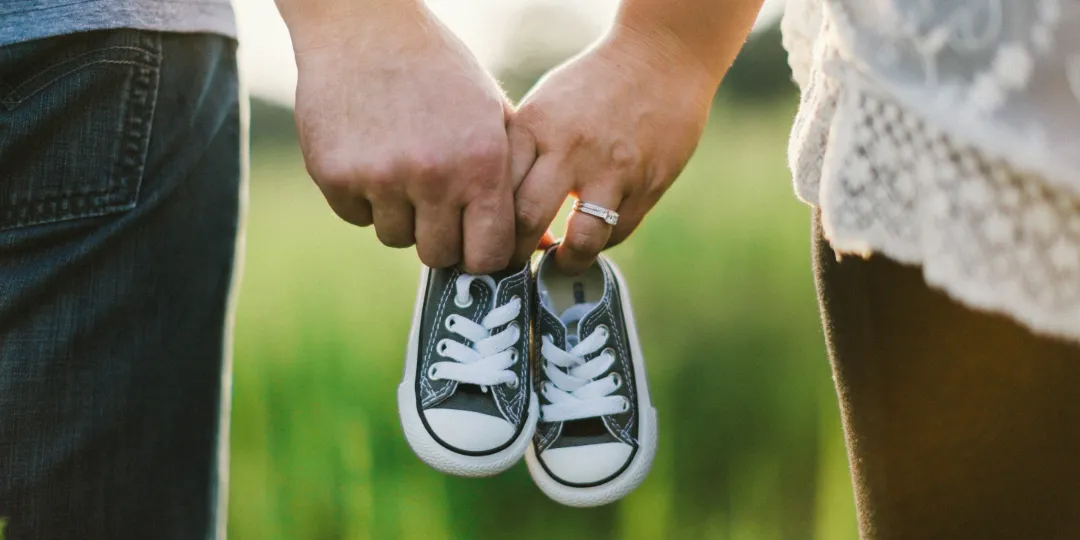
x=579 y=292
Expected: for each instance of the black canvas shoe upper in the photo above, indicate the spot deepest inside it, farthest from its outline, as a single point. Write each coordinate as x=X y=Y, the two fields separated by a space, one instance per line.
x=617 y=427
x=506 y=401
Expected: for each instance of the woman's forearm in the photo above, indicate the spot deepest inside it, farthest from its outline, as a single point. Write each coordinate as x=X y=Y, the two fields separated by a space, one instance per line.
x=707 y=32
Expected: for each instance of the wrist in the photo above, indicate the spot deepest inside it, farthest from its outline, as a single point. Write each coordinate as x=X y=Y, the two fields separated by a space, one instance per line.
x=689 y=33
x=660 y=53
x=315 y=24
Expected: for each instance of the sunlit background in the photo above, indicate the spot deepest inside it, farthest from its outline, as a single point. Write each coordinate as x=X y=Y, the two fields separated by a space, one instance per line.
x=750 y=442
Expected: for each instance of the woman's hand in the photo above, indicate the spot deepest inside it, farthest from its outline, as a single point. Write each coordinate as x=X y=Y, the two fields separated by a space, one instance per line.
x=614 y=128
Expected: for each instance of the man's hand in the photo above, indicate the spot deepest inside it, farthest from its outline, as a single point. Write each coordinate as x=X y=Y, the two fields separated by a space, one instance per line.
x=615 y=126
x=401 y=128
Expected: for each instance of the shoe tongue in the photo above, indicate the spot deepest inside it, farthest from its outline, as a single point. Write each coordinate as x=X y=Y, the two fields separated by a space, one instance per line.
x=492 y=282
x=571 y=317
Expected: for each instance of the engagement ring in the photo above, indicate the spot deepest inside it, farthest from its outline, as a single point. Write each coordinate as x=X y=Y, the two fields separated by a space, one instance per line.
x=610 y=217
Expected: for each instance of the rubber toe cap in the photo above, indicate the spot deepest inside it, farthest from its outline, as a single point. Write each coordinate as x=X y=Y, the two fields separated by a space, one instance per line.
x=469 y=431
x=586 y=464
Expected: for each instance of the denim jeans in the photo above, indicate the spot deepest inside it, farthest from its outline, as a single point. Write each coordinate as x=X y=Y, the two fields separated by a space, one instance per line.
x=120 y=198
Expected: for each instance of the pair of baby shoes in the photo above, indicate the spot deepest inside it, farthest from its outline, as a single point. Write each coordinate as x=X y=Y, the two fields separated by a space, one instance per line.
x=531 y=363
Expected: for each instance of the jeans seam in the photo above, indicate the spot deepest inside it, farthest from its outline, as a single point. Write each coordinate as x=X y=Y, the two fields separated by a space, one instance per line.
x=137 y=130
x=14 y=97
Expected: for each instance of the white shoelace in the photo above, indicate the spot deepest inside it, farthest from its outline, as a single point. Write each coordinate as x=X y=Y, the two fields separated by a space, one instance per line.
x=575 y=393
x=487 y=362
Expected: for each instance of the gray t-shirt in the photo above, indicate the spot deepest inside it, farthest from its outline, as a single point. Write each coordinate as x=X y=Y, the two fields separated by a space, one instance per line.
x=24 y=20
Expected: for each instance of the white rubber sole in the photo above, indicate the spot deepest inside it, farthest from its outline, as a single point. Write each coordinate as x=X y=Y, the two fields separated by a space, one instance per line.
x=420 y=440
x=640 y=465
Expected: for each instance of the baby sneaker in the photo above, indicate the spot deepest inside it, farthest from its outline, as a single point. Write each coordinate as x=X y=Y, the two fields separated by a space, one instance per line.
x=596 y=438
x=466 y=401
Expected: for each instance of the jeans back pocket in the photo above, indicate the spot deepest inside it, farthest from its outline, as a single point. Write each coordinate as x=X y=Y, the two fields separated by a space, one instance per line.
x=75 y=118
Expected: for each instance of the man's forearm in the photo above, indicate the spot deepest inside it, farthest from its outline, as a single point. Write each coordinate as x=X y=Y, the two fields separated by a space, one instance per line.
x=709 y=32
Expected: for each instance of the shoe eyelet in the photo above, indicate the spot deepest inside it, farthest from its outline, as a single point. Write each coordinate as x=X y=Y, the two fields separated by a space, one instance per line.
x=433 y=373
x=617 y=379
x=513 y=355
x=543 y=387
x=609 y=352
x=441 y=347
x=463 y=304
x=514 y=384
x=603 y=329
x=451 y=321
x=625 y=405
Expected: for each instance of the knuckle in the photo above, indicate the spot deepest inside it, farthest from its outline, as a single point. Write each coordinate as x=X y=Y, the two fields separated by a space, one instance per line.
x=487 y=262
x=429 y=175
x=340 y=172
x=377 y=185
x=424 y=165
x=396 y=243
x=434 y=190
x=577 y=138
x=585 y=242
x=437 y=258
x=378 y=178
x=529 y=217
x=350 y=212
x=624 y=157
x=486 y=157
x=330 y=168
x=359 y=221
x=393 y=238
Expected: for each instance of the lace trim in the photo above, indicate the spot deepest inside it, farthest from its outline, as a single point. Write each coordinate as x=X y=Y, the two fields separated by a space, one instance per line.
x=1003 y=77
x=886 y=181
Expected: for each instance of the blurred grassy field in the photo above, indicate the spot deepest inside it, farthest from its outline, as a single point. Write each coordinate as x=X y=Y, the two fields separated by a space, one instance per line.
x=750 y=446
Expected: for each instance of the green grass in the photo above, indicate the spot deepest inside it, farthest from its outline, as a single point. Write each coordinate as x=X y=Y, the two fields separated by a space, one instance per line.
x=750 y=443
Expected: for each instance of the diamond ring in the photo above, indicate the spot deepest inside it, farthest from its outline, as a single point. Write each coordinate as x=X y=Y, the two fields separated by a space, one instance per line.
x=610 y=217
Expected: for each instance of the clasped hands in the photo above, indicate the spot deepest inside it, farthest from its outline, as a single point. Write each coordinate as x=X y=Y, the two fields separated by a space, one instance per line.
x=405 y=131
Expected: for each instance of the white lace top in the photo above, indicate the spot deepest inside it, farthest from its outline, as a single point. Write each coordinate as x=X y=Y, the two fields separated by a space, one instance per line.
x=946 y=133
